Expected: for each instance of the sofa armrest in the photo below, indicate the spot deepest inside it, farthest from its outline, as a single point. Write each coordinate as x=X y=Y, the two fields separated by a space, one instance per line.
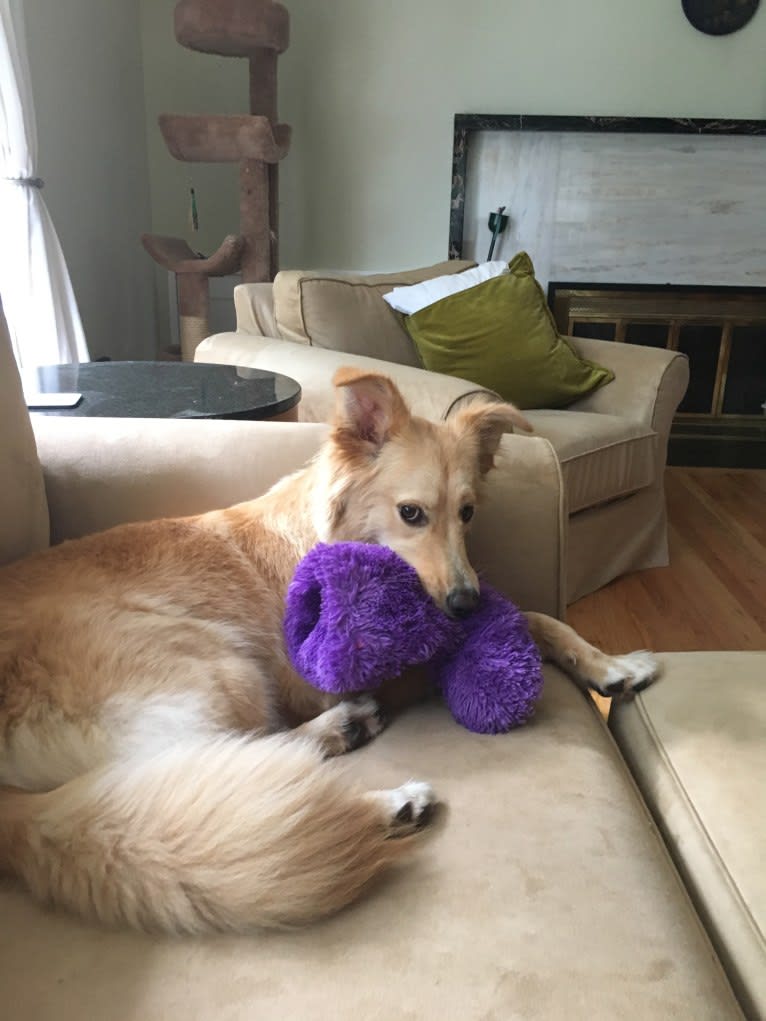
x=518 y=540
x=254 y=306
x=648 y=384
x=429 y=394
x=102 y=472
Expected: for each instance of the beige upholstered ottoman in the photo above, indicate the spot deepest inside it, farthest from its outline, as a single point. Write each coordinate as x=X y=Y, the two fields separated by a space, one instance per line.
x=696 y=744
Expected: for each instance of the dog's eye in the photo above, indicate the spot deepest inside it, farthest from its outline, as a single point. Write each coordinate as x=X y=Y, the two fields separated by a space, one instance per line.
x=412 y=514
x=466 y=513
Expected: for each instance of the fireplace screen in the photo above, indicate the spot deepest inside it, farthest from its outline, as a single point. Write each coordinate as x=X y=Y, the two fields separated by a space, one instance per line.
x=721 y=330
x=648 y=209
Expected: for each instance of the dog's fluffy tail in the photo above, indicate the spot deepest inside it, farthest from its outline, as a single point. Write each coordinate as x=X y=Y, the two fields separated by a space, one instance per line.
x=226 y=833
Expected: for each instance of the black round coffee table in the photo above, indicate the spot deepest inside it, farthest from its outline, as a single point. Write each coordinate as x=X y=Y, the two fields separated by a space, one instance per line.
x=166 y=390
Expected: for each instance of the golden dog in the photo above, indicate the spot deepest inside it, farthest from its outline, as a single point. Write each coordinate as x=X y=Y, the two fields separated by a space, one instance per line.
x=162 y=762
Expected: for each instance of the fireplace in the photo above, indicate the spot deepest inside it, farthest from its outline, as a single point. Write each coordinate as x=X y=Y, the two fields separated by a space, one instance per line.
x=722 y=419
x=666 y=221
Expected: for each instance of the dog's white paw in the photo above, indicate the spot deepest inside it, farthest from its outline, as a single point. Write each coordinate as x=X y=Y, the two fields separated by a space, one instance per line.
x=628 y=674
x=409 y=807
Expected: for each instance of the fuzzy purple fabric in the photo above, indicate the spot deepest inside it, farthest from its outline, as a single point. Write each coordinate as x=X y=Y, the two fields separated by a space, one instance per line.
x=358 y=614
x=493 y=680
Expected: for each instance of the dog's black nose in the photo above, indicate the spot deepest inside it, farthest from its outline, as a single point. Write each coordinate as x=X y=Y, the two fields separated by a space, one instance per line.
x=462 y=601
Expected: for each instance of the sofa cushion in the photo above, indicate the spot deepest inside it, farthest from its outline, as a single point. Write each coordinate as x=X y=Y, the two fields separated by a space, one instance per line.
x=501 y=334
x=602 y=456
x=346 y=312
x=544 y=893
x=23 y=508
x=696 y=744
x=102 y=472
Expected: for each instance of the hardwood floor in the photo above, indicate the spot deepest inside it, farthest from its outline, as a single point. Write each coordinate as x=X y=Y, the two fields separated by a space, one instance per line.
x=713 y=594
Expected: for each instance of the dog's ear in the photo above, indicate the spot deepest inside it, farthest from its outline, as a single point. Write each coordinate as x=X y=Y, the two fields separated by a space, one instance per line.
x=487 y=422
x=369 y=407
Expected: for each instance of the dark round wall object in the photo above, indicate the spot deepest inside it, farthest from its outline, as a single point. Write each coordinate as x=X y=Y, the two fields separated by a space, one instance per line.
x=719 y=17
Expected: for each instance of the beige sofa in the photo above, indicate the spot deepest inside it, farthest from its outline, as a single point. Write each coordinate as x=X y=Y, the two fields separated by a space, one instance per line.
x=545 y=893
x=611 y=446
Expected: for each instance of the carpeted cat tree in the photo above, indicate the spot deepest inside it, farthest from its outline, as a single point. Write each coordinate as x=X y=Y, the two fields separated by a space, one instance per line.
x=258 y=30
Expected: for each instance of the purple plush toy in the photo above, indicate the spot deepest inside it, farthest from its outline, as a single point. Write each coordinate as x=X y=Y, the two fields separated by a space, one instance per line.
x=357 y=614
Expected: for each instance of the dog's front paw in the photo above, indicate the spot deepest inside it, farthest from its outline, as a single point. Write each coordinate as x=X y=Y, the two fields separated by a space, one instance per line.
x=364 y=720
x=346 y=726
x=626 y=675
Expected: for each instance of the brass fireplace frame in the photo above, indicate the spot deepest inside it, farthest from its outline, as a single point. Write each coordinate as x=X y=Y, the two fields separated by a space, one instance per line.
x=741 y=436
x=574 y=306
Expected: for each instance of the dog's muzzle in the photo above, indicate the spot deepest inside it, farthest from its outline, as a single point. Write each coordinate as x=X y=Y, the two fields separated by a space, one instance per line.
x=462 y=601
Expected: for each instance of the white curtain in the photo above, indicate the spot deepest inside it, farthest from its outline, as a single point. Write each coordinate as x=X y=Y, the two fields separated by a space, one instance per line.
x=35 y=287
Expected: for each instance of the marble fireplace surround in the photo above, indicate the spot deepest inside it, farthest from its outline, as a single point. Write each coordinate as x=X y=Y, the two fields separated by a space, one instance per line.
x=627 y=200
x=631 y=203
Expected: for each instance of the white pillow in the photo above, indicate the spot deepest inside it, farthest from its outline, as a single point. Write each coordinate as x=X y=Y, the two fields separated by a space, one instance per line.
x=411 y=299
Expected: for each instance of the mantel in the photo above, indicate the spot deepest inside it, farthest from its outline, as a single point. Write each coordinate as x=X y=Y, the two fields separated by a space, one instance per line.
x=615 y=199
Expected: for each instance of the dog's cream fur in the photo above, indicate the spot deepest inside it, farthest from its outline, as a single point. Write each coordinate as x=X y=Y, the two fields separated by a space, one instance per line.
x=163 y=762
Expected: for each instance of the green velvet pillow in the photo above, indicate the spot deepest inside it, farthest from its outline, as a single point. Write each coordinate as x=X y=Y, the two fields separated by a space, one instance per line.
x=501 y=335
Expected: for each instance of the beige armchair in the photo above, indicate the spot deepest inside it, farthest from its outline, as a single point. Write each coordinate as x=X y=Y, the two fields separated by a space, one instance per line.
x=61 y=478
x=611 y=447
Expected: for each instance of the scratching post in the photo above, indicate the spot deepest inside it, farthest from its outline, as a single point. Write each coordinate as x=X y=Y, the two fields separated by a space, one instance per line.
x=259 y=31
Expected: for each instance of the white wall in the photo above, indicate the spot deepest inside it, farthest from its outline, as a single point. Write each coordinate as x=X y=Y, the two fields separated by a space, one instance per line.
x=87 y=79
x=371 y=87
